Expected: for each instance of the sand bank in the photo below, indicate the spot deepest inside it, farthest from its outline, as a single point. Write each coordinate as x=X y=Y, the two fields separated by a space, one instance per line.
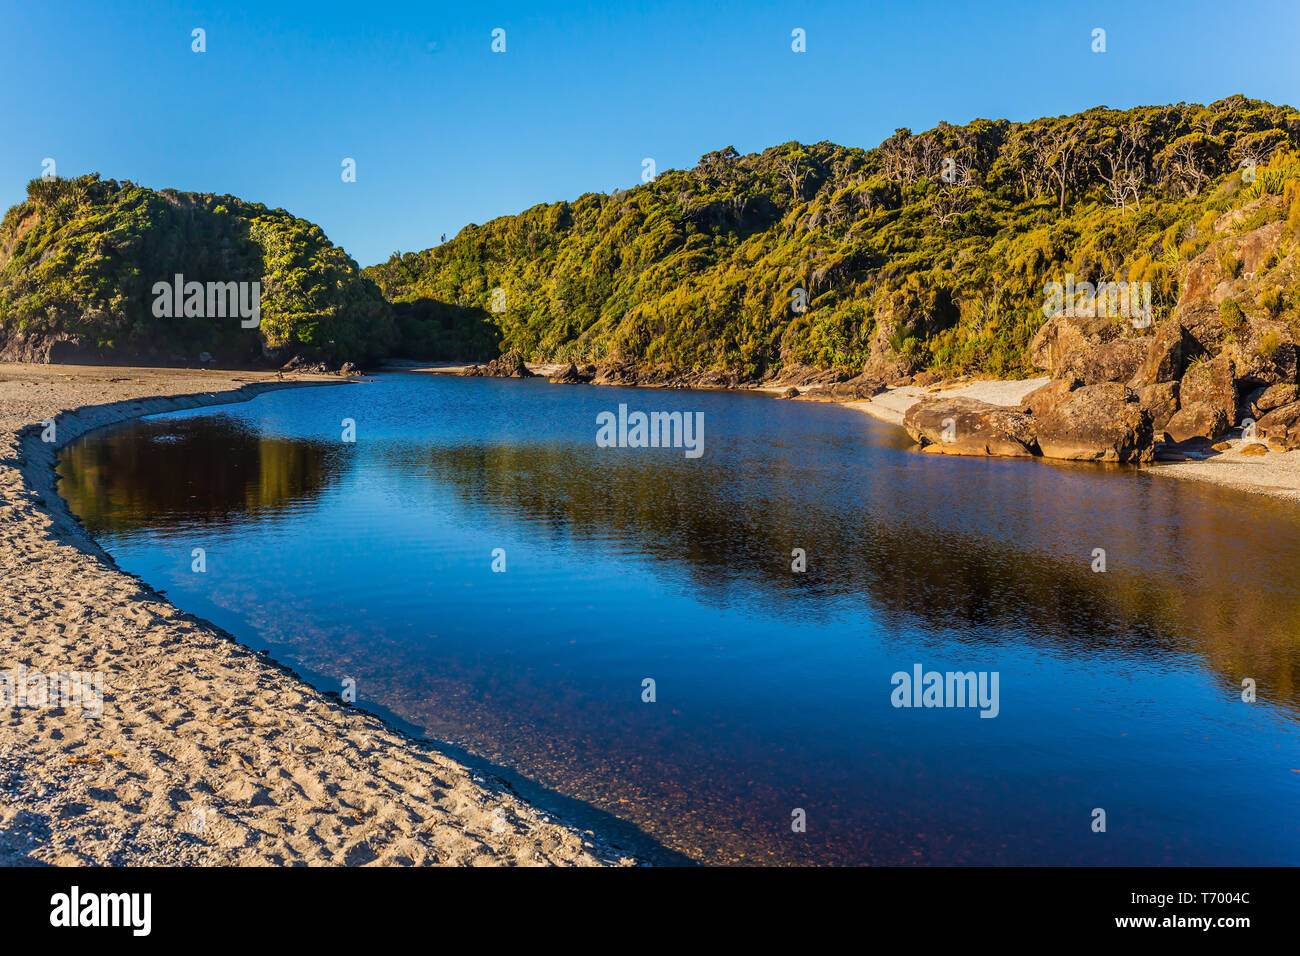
x=206 y=752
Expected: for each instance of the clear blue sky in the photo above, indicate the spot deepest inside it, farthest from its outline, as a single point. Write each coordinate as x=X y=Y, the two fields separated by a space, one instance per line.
x=445 y=132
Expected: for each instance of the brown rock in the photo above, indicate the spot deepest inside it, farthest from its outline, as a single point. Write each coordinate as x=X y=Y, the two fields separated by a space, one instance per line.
x=1204 y=278
x=1043 y=399
x=510 y=365
x=1264 y=353
x=1064 y=336
x=1213 y=383
x=964 y=426
x=1197 y=420
x=1116 y=361
x=1160 y=400
x=1265 y=400
x=616 y=373
x=1281 y=425
x=790 y=393
x=1254 y=448
x=570 y=375
x=854 y=390
x=1166 y=356
x=1097 y=423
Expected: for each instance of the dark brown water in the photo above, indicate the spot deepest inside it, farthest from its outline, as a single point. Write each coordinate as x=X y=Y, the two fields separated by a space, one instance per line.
x=372 y=560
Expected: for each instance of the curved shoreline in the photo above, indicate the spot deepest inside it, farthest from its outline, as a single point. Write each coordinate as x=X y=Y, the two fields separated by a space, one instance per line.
x=206 y=752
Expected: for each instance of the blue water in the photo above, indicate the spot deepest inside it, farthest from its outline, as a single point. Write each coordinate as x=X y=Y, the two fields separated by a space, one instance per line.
x=372 y=560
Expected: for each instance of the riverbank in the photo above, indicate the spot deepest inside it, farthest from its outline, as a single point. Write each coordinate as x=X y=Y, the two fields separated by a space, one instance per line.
x=206 y=753
x=1275 y=473
x=1234 y=463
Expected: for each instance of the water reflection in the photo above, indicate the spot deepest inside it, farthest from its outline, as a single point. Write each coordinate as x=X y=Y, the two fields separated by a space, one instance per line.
x=1198 y=570
x=372 y=560
x=171 y=472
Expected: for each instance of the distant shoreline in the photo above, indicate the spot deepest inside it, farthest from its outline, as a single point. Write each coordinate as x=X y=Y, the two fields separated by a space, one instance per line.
x=1276 y=475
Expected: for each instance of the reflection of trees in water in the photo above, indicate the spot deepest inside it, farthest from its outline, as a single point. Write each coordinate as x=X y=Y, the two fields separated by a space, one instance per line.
x=165 y=473
x=1189 y=584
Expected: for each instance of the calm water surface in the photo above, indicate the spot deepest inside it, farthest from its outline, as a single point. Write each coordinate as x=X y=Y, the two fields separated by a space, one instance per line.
x=373 y=560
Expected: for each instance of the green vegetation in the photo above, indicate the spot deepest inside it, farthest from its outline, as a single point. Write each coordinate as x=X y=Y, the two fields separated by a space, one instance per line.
x=1229 y=263
x=1232 y=316
x=80 y=258
x=930 y=251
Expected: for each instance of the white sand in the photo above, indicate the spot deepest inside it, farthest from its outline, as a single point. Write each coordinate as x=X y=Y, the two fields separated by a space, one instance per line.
x=892 y=404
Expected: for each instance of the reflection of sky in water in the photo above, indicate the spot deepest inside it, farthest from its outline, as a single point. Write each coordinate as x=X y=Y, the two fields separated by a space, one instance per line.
x=1118 y=690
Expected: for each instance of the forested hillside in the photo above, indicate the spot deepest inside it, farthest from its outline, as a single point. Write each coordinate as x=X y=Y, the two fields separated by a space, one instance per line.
x=930 y=251
x=79 y=260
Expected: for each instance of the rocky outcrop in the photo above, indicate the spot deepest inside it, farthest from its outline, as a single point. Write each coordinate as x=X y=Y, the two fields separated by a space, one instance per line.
x=1264 y=352
x=573 y=375
x=1206 y=281
x=964 y=426
x=1263 y=400
x=1213 y=383
x=1097 y=423
x=616 y=373
x=53 y=349
x=1160 y=401
x=854 y=390
x=1281 y=427
x=510 y=365
x=1064 y=336
x=1043 y=399
x=1116 y=361
x=1197 y=420
x=1167 y=354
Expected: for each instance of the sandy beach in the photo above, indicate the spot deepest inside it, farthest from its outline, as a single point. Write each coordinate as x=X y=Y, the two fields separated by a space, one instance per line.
x=205 y=752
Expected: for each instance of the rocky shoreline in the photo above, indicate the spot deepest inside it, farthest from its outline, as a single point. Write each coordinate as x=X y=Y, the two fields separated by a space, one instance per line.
x=1078 y=412
x=206 y=753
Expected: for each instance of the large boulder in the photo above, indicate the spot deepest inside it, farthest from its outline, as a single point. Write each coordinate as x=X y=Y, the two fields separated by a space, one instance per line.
x=1043 y=399
x=56 y=348
x=1098 y=423
x=1264 y=400
x=1197 y=420
x=964 y=426
x=572 y=375
x=1166 y=356
x=1064 y=336
x=1160 y=401
x=1214 y=383
x=510 y=365
x=1115 y=361
x=857 y=389
x=1281 y=427
x=616 y=373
